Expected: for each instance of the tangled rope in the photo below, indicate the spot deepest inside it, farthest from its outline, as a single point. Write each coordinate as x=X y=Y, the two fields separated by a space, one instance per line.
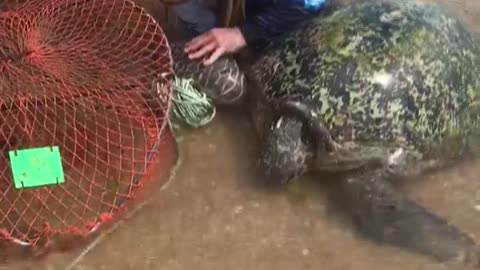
x=190 y=107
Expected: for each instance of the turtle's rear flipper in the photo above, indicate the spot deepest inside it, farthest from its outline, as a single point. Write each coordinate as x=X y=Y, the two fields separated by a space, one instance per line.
x=223 y=81
x=384 y=215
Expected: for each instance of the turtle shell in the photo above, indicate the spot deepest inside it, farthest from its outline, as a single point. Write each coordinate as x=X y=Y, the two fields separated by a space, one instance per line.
x=382 y=75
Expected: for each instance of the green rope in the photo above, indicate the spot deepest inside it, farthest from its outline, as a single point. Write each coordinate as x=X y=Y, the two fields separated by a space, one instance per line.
x=190 y=107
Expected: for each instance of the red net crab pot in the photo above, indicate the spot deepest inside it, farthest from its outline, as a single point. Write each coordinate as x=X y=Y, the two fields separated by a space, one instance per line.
x=84 y=99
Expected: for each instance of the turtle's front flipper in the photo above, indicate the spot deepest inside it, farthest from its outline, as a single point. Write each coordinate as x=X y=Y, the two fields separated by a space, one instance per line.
x=386 y=216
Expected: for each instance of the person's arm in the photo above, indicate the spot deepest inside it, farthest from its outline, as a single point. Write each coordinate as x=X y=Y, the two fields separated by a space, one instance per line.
x=278 y=19
x=274 y=21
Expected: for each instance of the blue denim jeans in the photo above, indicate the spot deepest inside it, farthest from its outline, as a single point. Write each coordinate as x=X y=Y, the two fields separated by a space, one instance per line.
x=194 y=17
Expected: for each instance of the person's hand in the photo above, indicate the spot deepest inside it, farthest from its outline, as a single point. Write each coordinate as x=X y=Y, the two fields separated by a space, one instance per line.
x=216 y=43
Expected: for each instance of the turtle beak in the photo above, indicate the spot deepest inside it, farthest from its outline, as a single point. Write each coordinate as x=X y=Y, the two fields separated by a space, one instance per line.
x=277 y=177
x=275 y=165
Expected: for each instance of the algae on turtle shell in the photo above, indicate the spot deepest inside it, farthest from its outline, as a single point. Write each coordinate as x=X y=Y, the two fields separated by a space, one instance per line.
x=392 y=73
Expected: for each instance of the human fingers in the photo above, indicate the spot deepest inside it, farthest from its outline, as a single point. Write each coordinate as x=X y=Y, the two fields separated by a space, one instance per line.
x=214 y=56
x=202 y=51
x=197 y=42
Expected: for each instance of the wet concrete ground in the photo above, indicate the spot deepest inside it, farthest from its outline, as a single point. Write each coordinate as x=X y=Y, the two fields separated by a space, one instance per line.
x=213 y=215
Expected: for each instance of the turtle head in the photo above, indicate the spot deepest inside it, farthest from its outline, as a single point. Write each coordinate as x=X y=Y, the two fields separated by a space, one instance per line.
x=223 y=81
x=287 y=151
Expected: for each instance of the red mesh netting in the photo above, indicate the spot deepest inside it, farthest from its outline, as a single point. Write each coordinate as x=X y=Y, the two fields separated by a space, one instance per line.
x=91 y=77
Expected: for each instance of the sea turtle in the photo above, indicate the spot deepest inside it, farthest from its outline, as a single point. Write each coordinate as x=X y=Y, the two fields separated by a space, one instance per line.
x=377 y=90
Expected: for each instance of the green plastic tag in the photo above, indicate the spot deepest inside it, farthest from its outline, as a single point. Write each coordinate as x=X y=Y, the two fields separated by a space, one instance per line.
x=36 y=167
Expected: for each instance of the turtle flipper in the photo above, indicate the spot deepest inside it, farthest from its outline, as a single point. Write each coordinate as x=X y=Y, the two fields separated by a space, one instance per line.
x=386 y=216
x=223 y=81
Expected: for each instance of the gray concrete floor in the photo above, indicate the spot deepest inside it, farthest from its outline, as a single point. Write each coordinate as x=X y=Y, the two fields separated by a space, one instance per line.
x=212 y=215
